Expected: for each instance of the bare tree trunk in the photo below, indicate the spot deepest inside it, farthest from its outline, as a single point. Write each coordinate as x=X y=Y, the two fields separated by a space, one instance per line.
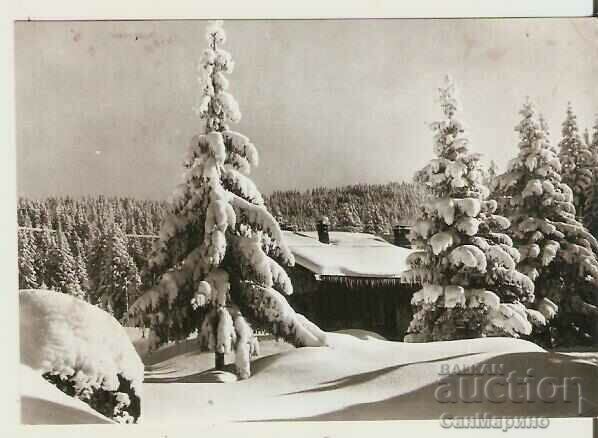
x=219 y=357
x=219 y=361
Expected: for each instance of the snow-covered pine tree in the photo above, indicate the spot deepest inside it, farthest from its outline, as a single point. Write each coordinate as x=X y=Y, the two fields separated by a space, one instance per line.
x=135 y=249
x=218 y=248
x=98 y=249
x=22 y=215
x=43 y=243
x=348 y=218
x=119 y=281
x=35 y=216
x=374 y=222
x=23 y=219
x=591 y=165
x=76 y=244
x=81 y=224
x=146 y=223
x=591 y=217
x=587 y=139
x=594 y=142
x=576 y=162
x=79 y=252
x=556 y=251
x=463 y=260
x=92 y=233
x=546 y=130
x=490 y=175
x=333 y=220
x=61 y=269
x=27 y=274
x=81 y=273
x=44 y=216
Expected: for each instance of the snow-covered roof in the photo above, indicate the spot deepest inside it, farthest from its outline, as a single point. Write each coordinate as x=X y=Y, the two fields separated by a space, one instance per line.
x=347 y=255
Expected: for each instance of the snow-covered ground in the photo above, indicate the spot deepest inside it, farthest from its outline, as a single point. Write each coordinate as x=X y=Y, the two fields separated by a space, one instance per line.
x=358 y=377
x=43 y=403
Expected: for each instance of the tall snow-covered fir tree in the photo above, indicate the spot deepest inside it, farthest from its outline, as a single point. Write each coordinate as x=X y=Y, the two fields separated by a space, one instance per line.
x=348 y=218
x=43 y=243
x=594 y=142
x=61 y=268
x=119 y=280
x=463 y=260
x=95 y=260
x=374 y=222
x=135 y=249
x=81 y=272
x=591 y=217
x=576 y=162
x=587 y=139
x=490 y=175
x=219 y=249
x=556 y=250
x=27 y=274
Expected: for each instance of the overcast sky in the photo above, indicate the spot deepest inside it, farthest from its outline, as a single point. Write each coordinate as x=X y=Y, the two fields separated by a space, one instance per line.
x=106 y=107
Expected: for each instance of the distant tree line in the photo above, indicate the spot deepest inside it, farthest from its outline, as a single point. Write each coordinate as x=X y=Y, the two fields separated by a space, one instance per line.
x=372 y=208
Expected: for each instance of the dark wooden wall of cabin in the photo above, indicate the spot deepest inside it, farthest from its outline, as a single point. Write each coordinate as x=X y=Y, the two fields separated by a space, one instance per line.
x=340 y=304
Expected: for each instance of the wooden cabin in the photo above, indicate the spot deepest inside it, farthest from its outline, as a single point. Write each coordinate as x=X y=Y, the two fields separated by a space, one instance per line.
x=345 y=280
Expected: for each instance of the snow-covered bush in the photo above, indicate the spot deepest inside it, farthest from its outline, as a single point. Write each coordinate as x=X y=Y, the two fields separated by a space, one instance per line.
x=557 y=252
x=219 y=249
x=463 y=260
x=82 y=350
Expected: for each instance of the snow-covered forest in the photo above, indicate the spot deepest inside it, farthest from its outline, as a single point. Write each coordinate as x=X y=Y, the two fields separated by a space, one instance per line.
x=89 y=228
x=119 y=294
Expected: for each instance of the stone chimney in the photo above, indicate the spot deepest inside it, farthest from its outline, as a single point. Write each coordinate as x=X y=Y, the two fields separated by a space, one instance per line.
x=322 y=227
x=400 y=234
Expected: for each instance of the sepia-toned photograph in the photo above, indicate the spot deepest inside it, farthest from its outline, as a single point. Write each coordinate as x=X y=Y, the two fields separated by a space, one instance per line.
x=235 y=221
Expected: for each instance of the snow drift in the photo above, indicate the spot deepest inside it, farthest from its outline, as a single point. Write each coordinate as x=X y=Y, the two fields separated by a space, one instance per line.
x=357 y=377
